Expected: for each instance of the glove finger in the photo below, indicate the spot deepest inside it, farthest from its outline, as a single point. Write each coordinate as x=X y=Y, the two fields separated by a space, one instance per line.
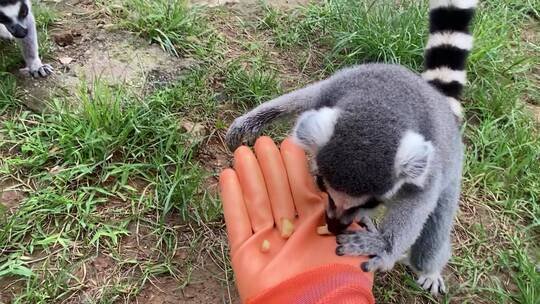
x=254 y=189
x=234 y=209
x=307 y=197
x=275 y=177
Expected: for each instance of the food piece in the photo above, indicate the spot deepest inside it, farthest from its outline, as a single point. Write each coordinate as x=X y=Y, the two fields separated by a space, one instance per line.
x=323 y=230
x=265 y=246
x=287 y=228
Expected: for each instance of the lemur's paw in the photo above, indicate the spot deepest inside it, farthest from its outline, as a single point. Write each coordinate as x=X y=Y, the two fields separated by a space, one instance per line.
x=361 y=243
x=38 y=69
x=433 y=283
x=378 y=263
x=241 y=130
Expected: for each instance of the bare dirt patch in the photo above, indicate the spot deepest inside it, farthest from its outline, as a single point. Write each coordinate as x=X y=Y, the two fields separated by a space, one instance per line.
x=88 y=48
x=203 y=277
x=535 y=110
x=531 y=35
x=204 y=288
x=9 y=286
x=10 y=195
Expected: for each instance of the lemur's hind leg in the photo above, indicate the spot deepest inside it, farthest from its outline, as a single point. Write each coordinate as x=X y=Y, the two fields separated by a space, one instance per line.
x=432 y=249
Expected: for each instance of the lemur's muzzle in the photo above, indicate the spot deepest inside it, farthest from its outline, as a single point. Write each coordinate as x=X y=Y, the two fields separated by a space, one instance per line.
x=337 y=221
x=17 y=30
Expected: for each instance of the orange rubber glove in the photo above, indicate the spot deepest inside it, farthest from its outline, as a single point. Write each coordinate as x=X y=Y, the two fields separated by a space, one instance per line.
x=257 y=195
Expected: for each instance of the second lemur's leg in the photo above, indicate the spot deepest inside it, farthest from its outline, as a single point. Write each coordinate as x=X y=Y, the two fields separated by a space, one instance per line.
x=248 y=126
x=29 y=45
x=432 y=250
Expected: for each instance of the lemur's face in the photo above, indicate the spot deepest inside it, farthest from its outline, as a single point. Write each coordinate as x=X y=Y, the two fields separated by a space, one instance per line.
x=342 y=208
x=13 y=14
x=358 y=162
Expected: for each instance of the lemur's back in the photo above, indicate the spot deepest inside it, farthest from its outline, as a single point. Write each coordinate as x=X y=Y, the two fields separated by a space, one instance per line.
x=378 y=104
x=397 y=96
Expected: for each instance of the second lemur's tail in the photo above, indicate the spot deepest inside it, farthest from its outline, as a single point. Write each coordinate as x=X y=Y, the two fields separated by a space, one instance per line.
x=448 y=45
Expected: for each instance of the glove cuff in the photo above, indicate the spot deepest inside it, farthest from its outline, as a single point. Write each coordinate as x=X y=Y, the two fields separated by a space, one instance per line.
x=329 y=284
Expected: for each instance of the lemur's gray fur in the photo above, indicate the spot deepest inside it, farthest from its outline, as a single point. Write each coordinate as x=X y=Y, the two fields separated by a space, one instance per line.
x=17 y=22
x=382 y=134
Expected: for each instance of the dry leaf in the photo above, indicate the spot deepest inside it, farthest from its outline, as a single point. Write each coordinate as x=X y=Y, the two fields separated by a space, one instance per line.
x=65 y=60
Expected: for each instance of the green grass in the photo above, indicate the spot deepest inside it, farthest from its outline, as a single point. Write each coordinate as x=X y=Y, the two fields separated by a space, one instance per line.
x=73 y=163
x=250 y=86
x=352 y=32
x=177 y=28
x=106 y=172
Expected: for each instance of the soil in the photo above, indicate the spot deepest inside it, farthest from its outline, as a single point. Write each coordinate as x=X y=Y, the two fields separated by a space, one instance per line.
x=531 y=34
x=535 y=110
x=203 y=289
x=10 y=196
x=88 y=48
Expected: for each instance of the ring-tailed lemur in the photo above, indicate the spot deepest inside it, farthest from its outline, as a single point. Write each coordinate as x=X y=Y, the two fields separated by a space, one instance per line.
x=17 y=21
x=382 y=134
x=448 y=46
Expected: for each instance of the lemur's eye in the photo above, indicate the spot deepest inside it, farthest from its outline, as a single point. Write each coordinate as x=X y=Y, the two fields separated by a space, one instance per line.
x=23 y=12
x=4 y=19
x=372 y=203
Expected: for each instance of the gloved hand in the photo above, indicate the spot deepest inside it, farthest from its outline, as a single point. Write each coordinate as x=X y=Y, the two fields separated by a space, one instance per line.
x=261 y=191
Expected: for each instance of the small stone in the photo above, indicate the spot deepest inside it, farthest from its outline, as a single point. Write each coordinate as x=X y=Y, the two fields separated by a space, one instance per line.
x=196 y=129
x=63 y=38
x=189 y=292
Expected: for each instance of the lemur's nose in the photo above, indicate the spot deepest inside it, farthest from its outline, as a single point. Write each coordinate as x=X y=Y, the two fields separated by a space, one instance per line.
x=335 y=226
x=17 y=31
x=333 y=218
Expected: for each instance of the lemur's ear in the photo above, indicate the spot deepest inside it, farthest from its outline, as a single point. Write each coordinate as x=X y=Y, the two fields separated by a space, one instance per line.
x=413 y=158
x=315 y=128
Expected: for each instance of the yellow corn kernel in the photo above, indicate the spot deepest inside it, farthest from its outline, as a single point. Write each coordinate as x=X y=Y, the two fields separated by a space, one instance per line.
x=265 y=246
x=287 y=228
x=323 y=230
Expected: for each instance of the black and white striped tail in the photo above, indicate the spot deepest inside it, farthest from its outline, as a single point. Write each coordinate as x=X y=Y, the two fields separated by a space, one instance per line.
x=448 y=46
